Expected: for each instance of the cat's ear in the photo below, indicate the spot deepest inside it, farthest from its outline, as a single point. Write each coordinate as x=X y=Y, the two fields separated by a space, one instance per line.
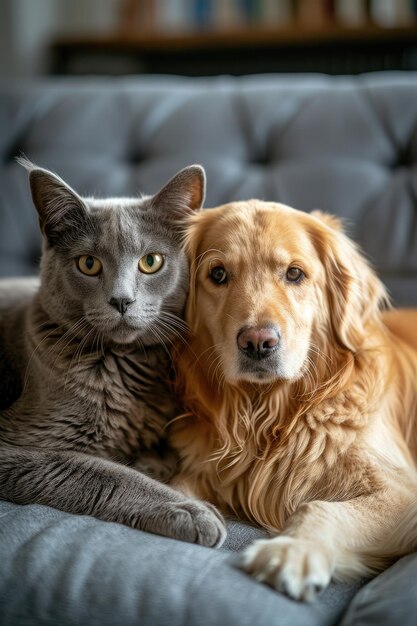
x=183 y=194
x=59 y=207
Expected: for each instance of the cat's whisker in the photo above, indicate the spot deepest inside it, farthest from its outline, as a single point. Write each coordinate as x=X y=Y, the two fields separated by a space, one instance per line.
x=171 y=331
x=74 y=357
x=102 y=346
x=177 y=333
x=37 y=327
x=72 y=332
x=96 y=341
x=27 y=371
x=72 y=328
x=37 y=348
x=168 y=329
x=158 y=333
x=82 y=346
x=142 y=347
x=175 y=320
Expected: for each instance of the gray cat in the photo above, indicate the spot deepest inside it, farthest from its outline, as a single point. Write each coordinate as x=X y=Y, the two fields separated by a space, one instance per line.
x=84 y=395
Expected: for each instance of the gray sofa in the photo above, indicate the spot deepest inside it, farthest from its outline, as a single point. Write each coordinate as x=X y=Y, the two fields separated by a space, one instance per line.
x=345 y=145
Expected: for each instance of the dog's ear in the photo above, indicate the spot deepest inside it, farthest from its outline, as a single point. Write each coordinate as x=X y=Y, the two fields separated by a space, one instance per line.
x=331 y=220
x=355 y=295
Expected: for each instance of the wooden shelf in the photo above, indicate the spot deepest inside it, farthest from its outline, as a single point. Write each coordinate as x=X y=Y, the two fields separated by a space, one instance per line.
x=332 y=49
x=296 y=35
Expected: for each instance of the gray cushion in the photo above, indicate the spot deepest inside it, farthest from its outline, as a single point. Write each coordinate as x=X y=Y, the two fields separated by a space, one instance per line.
x=66 y=570
x=390 y=599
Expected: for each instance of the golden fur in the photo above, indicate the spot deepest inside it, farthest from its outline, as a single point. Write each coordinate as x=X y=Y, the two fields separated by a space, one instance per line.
x=323 y=447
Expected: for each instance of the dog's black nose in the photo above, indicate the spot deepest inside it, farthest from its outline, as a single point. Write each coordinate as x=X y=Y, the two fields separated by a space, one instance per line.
x=121 y=304
x=258 y=343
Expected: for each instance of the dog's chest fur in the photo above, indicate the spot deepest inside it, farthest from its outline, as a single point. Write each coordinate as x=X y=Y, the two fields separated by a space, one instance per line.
x=243 y=469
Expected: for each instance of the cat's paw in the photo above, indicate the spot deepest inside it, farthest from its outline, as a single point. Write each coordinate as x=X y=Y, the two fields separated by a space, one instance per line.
x=193 y=521
x=299 y=568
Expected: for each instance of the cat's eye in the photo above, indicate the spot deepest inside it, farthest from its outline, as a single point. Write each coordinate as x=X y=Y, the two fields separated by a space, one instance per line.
x=294 y=274
x=89 y=265
x=218 y=274
x=151 y=263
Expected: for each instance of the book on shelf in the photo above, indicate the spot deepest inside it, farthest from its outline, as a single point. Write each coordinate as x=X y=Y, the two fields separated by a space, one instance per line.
x=314 y=12
x=191 y=15
x=350 y=12
x=391 y=13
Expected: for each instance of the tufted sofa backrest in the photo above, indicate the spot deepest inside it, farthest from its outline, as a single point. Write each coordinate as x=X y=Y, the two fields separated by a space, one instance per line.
x=345 y=145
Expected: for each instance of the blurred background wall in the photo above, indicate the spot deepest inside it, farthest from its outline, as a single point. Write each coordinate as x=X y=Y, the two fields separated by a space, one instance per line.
x=27 y=28
x=203 y=37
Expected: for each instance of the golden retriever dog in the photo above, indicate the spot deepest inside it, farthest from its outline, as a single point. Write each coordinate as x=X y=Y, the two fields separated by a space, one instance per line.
x=300 y=395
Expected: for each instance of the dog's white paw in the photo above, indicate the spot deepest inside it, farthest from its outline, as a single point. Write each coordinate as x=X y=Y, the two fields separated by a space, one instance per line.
x=299 y=568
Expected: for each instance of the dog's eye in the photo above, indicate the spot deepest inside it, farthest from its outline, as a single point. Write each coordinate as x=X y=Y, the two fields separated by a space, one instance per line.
x=294 y=274
x=218 y=274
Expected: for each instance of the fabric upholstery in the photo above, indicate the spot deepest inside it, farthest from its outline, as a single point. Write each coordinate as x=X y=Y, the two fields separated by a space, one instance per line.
x=391 y=598
x=66 y=570
x=345 y=145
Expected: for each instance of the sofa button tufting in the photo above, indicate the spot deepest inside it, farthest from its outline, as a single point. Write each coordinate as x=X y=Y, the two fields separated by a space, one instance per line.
x=261 y=160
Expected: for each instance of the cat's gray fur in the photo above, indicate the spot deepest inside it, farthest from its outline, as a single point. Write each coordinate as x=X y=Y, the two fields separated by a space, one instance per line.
x=84 y=399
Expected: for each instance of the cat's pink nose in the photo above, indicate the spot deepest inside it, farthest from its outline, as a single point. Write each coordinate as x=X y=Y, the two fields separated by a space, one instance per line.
x=258 y=342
